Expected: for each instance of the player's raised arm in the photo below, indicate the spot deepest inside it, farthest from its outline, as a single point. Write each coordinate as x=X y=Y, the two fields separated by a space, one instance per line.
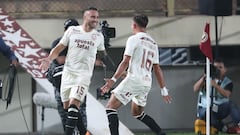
x=53 y=55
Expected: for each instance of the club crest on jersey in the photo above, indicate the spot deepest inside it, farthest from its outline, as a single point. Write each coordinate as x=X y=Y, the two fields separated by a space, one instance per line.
x=94 y=37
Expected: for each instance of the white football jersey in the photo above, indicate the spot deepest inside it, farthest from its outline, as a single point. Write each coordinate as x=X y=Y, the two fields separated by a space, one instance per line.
x=82 y=50
x=144 y=53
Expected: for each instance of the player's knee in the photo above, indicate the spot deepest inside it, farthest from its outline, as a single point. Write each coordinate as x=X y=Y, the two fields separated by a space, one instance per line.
x=136 y=112
x=139 y=116
x=108 y=105
x=66 y=105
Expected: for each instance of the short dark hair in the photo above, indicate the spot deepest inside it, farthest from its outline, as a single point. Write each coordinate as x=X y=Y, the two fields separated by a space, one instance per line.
x=90 y=8
x=219 y=60
x=141 y=20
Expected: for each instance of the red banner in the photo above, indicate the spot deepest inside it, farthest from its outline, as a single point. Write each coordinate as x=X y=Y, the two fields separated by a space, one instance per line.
x=25 y=48
x=205 y=45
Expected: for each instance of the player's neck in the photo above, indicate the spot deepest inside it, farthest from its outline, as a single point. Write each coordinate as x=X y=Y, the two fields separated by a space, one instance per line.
x=140 y=30
x=86 y=28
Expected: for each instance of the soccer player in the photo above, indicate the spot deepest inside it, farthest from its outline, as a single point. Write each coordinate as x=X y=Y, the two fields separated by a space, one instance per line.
x=83 y=43
x=54 y=75
x=140 y=57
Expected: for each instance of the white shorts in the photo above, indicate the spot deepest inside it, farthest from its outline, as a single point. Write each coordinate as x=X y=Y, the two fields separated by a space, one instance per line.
x=73 y=86
x=129 y=90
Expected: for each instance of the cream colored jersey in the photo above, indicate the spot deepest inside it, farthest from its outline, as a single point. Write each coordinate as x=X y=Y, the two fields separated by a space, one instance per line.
x=144 y=53
x=82 y=49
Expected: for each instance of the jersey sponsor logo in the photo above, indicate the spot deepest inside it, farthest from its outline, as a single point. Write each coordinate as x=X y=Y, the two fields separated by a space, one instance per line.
x=84 y=44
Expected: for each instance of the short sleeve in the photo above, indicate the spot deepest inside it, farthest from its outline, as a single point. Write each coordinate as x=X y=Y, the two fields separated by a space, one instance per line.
x=156 y=58
x=65 y=38
x=130 y=46
x=101 y=46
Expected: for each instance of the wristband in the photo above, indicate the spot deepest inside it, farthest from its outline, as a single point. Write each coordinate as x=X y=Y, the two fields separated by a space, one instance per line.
x=164 y=91
x=113 y=79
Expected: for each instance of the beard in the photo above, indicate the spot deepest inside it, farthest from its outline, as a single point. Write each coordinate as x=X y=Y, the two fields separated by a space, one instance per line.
x=93 y=25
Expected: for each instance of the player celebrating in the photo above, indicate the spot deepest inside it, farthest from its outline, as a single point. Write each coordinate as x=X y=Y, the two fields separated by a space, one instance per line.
x=83 y=43
x=140 y=56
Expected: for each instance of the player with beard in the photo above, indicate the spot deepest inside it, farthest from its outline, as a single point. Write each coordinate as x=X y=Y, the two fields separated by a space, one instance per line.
x=83 y=42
